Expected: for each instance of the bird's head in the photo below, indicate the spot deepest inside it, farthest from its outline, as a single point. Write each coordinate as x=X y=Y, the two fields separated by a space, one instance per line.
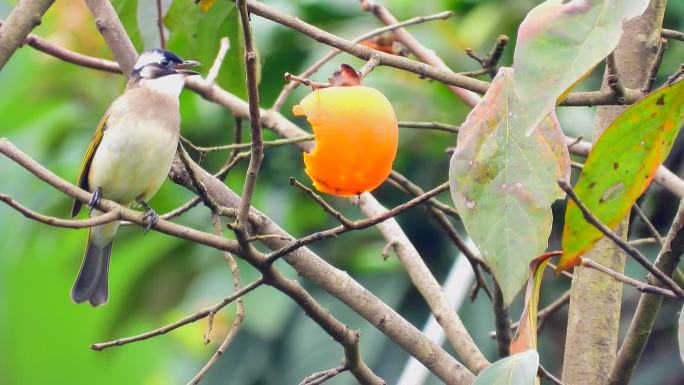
x=162 y=70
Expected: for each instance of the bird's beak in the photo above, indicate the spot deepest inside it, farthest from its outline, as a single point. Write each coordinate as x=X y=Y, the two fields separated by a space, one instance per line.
x=181 y=68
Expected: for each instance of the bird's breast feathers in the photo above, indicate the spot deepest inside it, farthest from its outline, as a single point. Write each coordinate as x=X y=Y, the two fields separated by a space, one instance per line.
x=137 y=147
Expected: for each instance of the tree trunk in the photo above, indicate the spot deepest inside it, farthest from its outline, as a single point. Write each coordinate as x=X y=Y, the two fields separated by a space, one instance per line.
x=595 y=298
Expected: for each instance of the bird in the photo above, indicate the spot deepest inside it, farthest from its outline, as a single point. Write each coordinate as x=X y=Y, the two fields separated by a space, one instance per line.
x=129 y=157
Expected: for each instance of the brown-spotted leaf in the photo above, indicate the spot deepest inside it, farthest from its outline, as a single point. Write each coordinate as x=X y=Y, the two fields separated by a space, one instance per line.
x=621 y=165
x=559 y=42
x=503 y=182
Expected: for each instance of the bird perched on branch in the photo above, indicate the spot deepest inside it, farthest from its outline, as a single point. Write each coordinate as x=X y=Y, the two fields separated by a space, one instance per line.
x=129 y=157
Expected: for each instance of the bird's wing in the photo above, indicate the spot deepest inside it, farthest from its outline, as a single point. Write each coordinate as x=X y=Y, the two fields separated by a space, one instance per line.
x=87 y=160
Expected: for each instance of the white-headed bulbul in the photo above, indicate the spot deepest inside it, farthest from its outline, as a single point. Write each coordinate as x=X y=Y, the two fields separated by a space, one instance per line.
x=129 y=157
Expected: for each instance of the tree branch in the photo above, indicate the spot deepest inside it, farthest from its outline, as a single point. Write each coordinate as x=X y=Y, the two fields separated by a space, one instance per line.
x=462 y=90
x=178 y=231
x=68 y=56
x=181 y=322
x=672 y=34
x=110 y=27
x=287 y=90
x=431 y=126
x=347 y=225
x=642 y=287
x=649 y=304
x=160 y=24
x=341 y=285
x=427 y=285
x=218 y=61
x=257 y=154
x=25 y=16
x=108 y=217
x=239 y=313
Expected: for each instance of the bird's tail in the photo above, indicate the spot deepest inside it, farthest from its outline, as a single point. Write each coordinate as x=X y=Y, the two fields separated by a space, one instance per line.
x=92 y=281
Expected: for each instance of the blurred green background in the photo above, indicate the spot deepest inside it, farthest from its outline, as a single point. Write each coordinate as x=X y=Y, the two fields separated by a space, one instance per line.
x=49 y=109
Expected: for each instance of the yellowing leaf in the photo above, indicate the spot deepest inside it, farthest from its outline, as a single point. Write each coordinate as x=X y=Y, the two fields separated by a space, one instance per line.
x=559 y=42
x=526 y=336
x=503 y=183
x=205 y=5
x=621 y=166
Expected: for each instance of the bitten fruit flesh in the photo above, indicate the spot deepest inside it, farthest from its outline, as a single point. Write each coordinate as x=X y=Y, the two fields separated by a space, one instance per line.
x=356 y=139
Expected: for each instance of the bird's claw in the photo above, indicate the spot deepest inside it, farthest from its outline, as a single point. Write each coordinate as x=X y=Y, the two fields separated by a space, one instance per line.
x=151 y=217
x=94 y=199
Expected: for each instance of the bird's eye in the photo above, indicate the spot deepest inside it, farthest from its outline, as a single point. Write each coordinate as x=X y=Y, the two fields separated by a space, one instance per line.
x=164 y=62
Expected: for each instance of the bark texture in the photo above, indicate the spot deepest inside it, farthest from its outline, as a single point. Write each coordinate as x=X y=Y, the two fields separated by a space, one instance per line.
x=595 y=298
x=24 y=18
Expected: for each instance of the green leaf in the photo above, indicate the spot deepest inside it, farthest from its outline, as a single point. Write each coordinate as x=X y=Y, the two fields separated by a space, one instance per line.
x=559 y=42
x=621 y=166
x=503 y=183
x=195 y=34
x=518 y=369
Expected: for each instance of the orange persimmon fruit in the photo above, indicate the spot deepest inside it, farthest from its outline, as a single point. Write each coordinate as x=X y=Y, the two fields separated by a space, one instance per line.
x=356 y=136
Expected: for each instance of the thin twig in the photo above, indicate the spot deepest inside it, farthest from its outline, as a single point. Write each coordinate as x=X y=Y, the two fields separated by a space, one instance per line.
x=321 y=377
x=489 y=63
x=304 y=81
x=262 y=237
x=643 y=241
x=653 y=72
x=240 y=146
x=641 y=286
x=329 y=209
x=672 y=34
x=181 y=322
x=431 y=126
x=182 y=209
x=160 y=25
x=218 y=61
x=649 y=225
x=287 y=90
x=675 y=76
x=257 y=154
x=107 y=217
x=494 y=55
x=438 y=210
x=631 y=251
x=562 y=273
x=405 y=184
x=355 y=225
x=370 y=66
x=239 y=314
x=199 y=187
x=502 y=322
x=542 y=372
x=68 y=56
